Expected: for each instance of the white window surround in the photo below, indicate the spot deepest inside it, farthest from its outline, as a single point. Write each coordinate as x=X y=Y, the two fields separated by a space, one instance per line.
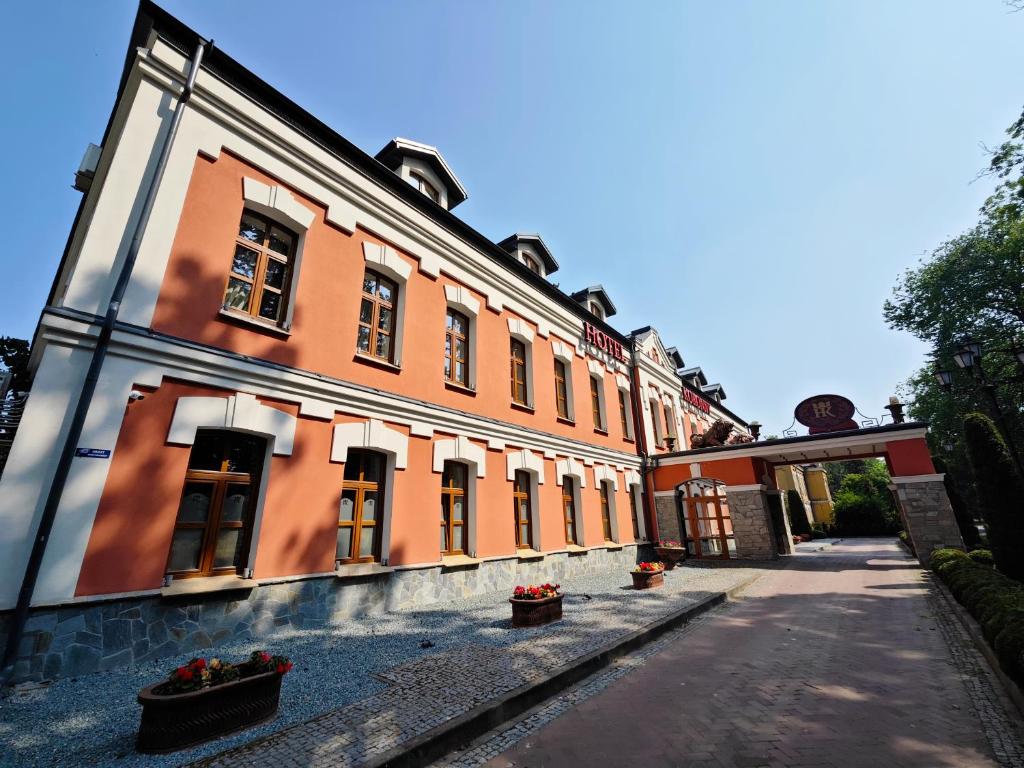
x=277 y=204
x=613 y=517
x=602 y=472
x=372 y=434
x=622 y=384
x=595 y=368
x=533 y=465
x=565 y=353
x=578 y=483
x=460 y=449
x=518 y=329
x=635 y=492
x=384 y=259
x=460 y=298
x=241 y=412
x=601 y=405
x=572 y=467
x=412 y=165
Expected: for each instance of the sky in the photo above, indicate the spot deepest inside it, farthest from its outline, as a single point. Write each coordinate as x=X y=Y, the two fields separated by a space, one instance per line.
x=750 y=178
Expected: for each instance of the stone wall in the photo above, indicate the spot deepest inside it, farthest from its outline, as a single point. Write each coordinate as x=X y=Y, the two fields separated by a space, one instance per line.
x=83 y=638
x=668 y=518
x=928 y=516
x=752 y=525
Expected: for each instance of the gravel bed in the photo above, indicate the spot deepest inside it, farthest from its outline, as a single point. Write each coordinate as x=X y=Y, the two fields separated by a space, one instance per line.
x=92 y=720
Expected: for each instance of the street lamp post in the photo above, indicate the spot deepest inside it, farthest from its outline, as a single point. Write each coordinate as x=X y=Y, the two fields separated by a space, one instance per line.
x=968 y=358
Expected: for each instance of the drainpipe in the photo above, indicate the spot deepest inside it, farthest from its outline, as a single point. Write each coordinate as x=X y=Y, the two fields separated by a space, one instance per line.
x=647 y=463
x=99 y=355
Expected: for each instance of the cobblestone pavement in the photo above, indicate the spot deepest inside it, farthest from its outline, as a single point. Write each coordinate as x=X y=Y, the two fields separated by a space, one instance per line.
x=846 y=658
x=425 y=692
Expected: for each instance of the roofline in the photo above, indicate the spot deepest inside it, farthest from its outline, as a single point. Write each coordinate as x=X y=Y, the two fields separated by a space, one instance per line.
x=714 y=405
x=398 y=144
x=765 y=446
x=177 y=34
x=598 y=288
x=550 y=263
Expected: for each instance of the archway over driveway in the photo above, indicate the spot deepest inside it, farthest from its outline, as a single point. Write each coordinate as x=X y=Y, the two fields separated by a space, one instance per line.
x=760 y=530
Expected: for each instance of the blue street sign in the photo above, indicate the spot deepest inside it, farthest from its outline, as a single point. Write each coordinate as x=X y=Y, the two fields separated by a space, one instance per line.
x=93 y=453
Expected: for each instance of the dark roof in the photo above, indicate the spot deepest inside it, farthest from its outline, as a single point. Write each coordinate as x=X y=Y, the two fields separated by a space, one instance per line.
x=398 y=148
x=677 y=358
x=598 y=292
x=696 y=371
x=713 y=388
x=511 y=243
x=152 y=18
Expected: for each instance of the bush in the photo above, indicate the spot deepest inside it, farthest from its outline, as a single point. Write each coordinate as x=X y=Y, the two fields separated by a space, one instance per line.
x=996 y=601
x=797 y=514
x=982 y=556
x=859 y=509
x=1000 y=490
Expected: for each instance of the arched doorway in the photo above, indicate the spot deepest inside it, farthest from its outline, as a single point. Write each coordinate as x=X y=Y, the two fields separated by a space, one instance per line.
x=707 y=524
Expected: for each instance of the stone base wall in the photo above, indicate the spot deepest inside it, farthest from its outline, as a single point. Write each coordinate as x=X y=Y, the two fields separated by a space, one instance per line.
x=928 y=517
x=752 y=525
x=668 y=518
x=82 y=638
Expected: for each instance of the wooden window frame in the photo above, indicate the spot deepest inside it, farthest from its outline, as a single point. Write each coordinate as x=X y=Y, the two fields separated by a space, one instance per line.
x=373 y=326
x=716 y=509
x=214 y=525
x=517 y=372
x=521 y=485
x=603 y=488
x=451 y=336
x=425 y=187
x=532 y=264
x=634 y=510
x=623 y=418
x=659 y=439
x=257 y=283
x=562 y=389
x=361 y=486
x=449 y=493
x=595 y=403
x=569 y=511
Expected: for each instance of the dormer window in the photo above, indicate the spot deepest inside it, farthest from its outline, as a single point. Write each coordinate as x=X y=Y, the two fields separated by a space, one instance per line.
x=596 y=310
x=533 y=265
x=424 y=186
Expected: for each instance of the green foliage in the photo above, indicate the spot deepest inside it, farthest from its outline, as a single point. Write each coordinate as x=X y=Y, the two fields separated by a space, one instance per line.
x=863 y=505
x=982 y=557
x=1000 y=490
x=797 y=512
x=835 y=471
x=964 y=518
x=14 y=356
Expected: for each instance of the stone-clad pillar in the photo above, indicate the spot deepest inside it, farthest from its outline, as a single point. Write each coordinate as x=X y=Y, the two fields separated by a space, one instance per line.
x=751 y=522
x=927 y=514
x=665 y=506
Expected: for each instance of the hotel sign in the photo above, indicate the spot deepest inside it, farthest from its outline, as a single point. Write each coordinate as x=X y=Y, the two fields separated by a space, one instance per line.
x=604 y=342
x=696 y=401
x=826 y=413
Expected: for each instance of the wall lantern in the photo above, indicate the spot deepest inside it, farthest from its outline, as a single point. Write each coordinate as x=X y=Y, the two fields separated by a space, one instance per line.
x=755 y=430
x=968 y=354
x=945 y=378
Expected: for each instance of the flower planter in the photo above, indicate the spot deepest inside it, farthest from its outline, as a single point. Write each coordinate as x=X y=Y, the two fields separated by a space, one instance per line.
x=533 y=613
x=648 y=579
x=670 y=556
x=180 y=720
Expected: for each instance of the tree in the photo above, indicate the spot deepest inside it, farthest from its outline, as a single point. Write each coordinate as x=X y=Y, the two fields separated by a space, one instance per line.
x=964 y=518
x=14 y=356
x=863 y=505
x=798 y=523
x=1000 y=490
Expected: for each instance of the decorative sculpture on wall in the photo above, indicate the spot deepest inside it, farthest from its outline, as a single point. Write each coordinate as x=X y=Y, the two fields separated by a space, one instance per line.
x=716 y=435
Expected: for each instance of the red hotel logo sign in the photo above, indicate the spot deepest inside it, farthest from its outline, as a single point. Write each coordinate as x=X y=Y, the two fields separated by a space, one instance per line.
x=604 y=342
x=696 y=401
x=826 y=413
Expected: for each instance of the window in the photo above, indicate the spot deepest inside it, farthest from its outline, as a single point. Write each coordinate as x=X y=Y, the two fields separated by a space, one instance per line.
x=424 y=186
x=595 y=403
x=596 y=310
x=518 y=373
x=569 y=509
x=523 y=517
x=261 y=269
x=216 y=509
x=453 y=508
x=655 y=421
x=377 y=316
x=670 y=420
x=606 y=511
x=634 y=506
x=561 y=390
x=623 y=416
x=456 y=348
x=533 y=265
x=362 y=503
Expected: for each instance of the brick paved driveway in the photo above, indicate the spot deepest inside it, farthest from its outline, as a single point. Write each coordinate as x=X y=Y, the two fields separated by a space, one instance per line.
x=838 y=660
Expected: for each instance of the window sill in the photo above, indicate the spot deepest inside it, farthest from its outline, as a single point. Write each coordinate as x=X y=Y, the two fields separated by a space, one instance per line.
x=359 y=357
x=200 y=585
x=563 y=420
x=529 y=554
x=599 y=431
x=613 y=546
x=523 y=407
x=628 y=439
x=357 y=570
x=460 y=388
x=252 y=322
x=575 y=549
x=459 y=561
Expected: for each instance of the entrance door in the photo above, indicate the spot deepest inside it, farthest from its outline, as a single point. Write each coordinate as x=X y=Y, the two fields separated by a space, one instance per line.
x=707 y=521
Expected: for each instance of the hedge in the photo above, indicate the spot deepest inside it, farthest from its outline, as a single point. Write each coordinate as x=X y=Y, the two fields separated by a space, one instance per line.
x=994 y=600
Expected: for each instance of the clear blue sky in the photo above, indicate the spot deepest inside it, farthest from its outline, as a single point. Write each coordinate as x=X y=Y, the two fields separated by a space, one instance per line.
x=748 y=177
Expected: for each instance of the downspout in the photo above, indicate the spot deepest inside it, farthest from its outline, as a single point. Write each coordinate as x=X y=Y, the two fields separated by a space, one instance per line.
x=99 y=355
x=646 y=467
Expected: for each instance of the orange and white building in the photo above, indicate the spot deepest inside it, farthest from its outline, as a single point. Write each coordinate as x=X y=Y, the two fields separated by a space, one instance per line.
x=324 y=393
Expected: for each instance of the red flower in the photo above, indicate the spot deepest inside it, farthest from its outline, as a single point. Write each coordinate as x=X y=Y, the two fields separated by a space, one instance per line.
x=280 y=669
x=199 y=663
x=265 y=657
x=185 y=673
x=288 y=667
